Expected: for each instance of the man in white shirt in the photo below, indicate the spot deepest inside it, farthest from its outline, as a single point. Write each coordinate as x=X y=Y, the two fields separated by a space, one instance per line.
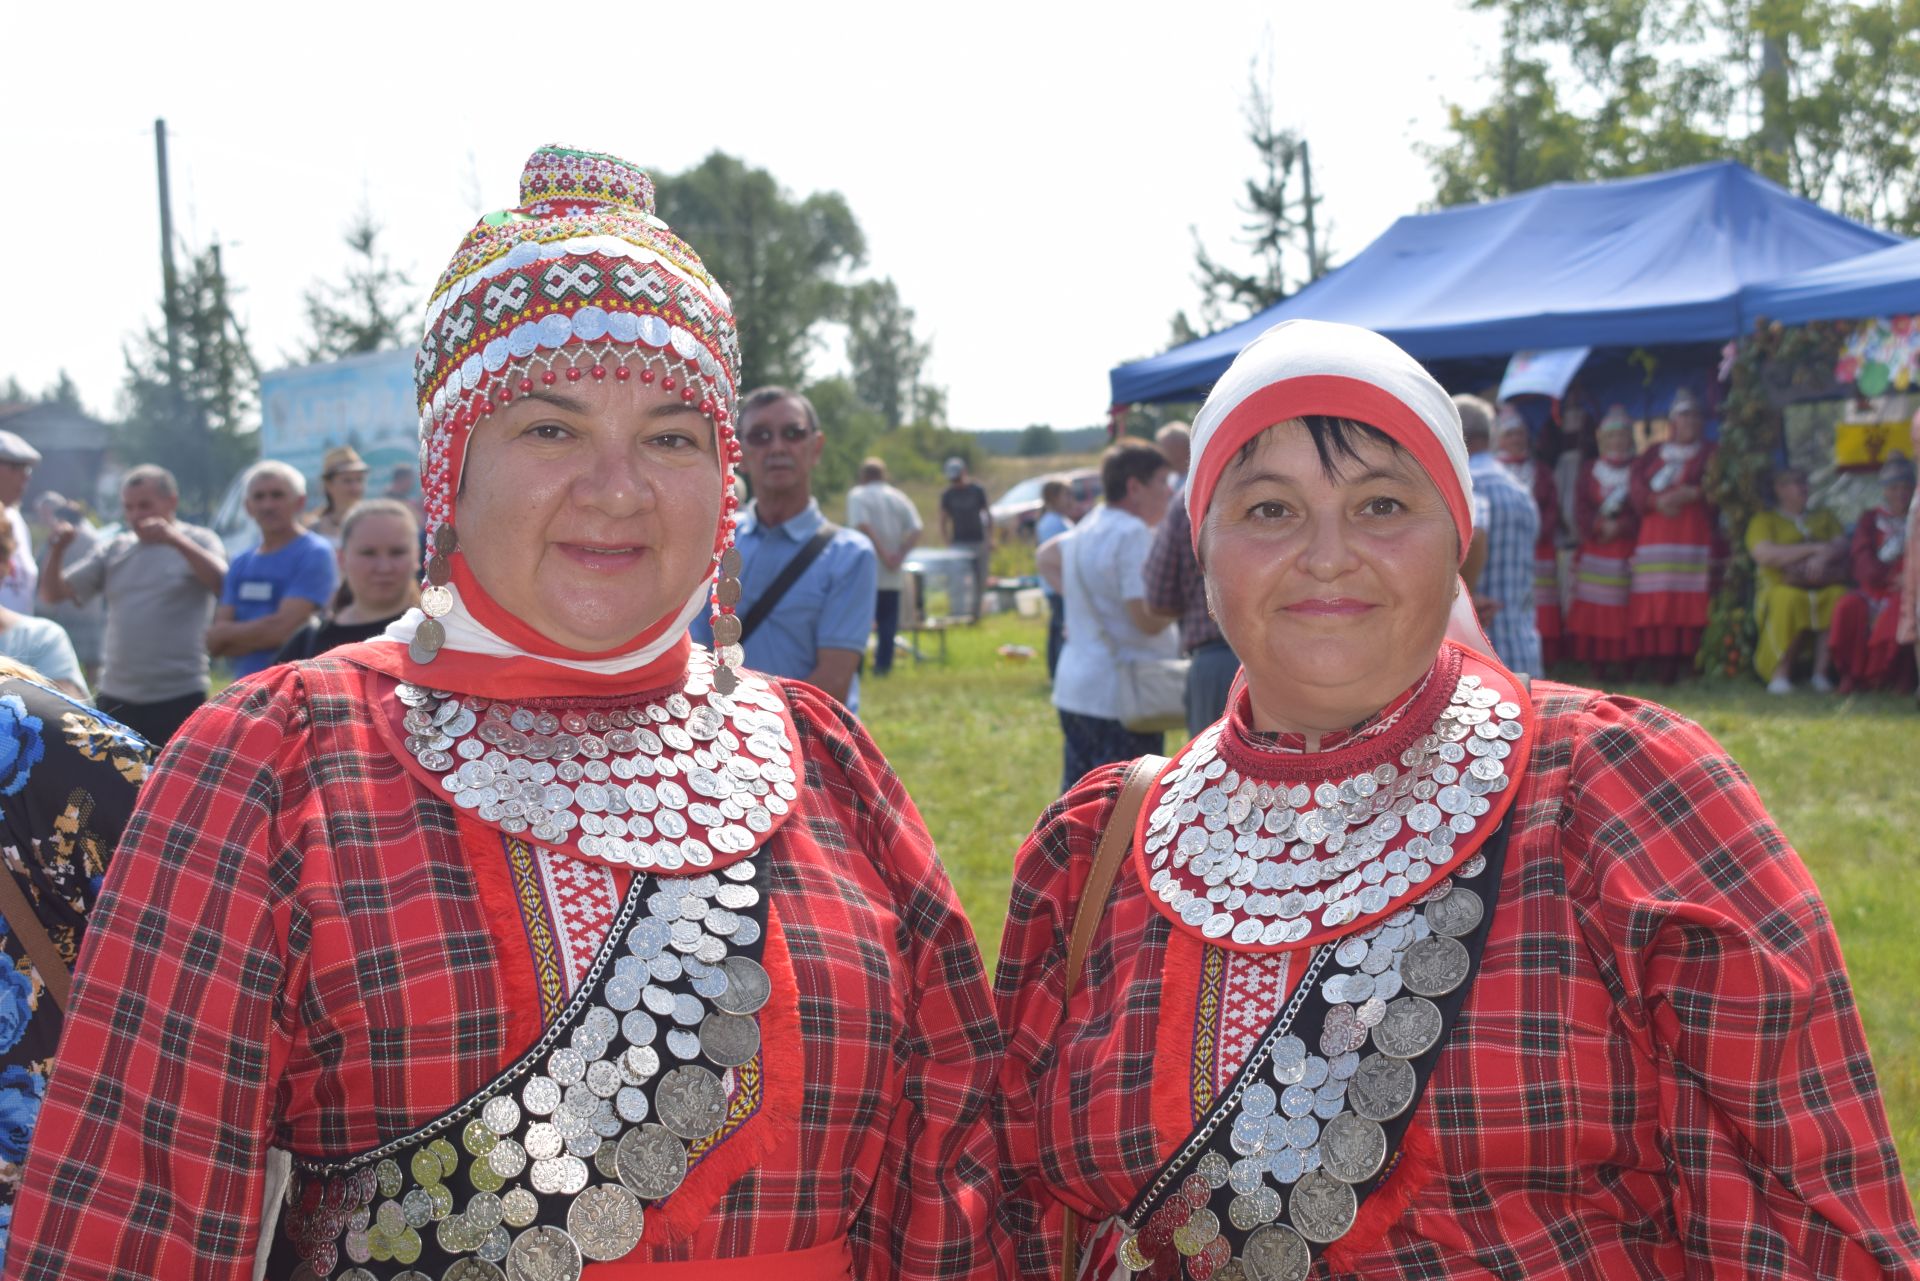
x=1099 y=567
x=892 y=524
x=17 y=458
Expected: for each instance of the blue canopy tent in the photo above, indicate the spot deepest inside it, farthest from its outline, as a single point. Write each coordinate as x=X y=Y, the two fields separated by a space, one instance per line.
x=1883 y=283
x=1657 y=260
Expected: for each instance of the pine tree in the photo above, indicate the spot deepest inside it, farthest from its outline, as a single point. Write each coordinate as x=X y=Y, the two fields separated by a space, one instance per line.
x=369 y=310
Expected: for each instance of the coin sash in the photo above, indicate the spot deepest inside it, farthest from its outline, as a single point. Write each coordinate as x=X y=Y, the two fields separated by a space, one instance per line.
x=1211 y=1176
x=566 y=1120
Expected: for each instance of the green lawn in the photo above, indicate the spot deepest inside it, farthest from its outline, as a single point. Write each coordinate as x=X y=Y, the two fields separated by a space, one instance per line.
x=976 y=742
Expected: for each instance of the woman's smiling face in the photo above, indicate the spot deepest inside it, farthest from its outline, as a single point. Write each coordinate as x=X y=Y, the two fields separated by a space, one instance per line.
x=588 y=509
x=1331 y=582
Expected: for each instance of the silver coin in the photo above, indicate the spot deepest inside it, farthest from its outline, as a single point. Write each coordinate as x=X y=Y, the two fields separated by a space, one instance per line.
x=1409 y=1029
x=1254 y=1209
x=501 y=1114
x=472 y=1270
x=652 y=1162
x=606 y=1221
x=1352 y=1148
x=1276 y=1253
x=729 y=1040
x=683 y=1044
x=1456 y=914
x=690 y=1102
x=519 y=1207
x=748 y=986
x=543 y=1254
x=1382 y=1087
x=1435 y=965
x=507 y=1159
x=1322 y=1208
x=540 y=1095
x=543 y=1141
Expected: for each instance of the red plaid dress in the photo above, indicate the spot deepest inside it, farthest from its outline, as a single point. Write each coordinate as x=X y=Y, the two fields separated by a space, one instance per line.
x=1659 y=1071
x=298 y=945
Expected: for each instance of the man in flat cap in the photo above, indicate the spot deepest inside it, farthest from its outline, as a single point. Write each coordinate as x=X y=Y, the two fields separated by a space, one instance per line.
x=17 y=458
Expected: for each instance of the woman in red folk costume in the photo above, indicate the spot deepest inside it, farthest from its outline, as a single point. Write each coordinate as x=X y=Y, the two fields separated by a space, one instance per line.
x=1678 y=539
x=548 y=947
x=1411 y=970
x=1512 y=442
x=1600 y=625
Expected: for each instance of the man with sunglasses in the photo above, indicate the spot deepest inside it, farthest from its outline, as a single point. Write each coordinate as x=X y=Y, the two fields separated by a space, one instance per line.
x=807 y=586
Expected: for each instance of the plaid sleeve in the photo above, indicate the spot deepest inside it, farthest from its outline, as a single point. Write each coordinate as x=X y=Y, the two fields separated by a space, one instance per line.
x=152 y=1141
x=933 y=1214
x=1728 y=978
x=1167 y=562
x=1029 y=988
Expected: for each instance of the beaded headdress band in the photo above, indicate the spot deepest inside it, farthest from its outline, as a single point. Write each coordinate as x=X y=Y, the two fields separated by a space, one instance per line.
x=581 y=280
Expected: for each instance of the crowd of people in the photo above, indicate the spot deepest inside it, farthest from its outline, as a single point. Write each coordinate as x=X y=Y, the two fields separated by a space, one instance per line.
x=534 y=905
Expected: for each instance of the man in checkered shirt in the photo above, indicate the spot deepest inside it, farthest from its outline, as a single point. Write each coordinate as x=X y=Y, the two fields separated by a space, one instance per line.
x=1507 y=520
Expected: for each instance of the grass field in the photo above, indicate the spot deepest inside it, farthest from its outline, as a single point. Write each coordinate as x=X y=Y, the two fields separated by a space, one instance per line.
x=976 y=742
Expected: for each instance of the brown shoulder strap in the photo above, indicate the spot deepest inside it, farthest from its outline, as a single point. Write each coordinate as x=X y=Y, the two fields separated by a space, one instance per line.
x=33 y=938
x=1115 y=839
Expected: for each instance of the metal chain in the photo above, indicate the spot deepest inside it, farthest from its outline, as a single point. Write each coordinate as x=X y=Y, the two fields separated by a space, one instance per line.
x=1227 y=1105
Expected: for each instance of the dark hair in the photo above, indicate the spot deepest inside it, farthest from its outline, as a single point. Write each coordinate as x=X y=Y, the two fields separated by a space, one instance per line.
x=1125 y=461
x=1051 y=490
x=1335 y=440
x=761 y=397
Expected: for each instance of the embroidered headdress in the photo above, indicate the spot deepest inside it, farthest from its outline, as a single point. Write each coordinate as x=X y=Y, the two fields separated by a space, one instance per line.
x=582 y=279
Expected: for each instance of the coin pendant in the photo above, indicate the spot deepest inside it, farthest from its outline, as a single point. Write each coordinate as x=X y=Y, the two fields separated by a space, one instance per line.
x=1323 y=1207
x=1410 y=1028
x=1457 y=913
x=606 y=1221
x=652 y=1162
x=1435 y=965
x=428 y=637
x=729 y=1040
x=543 y=1254
x=1352 y=1148
x=748 y=986
x=472 y=1270
x=1276 y=1253
x=690 y=1102
x=1382 y=1088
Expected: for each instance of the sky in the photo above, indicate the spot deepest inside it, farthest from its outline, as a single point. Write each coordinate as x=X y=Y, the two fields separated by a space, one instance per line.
x=1031 y=175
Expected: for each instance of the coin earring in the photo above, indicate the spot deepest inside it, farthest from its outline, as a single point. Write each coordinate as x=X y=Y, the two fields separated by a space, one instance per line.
x=726 y=623
x=436 y=599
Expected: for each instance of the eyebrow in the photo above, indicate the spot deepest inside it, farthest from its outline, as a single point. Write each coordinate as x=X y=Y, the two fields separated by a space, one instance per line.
x=1366 y=477
x=572 y=404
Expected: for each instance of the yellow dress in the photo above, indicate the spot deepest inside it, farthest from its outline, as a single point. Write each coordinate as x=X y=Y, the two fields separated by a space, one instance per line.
x=1783 y=611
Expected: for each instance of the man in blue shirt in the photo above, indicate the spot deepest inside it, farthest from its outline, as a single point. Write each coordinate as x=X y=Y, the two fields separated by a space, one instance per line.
x=1506 y=525
x=272 y=590
x=817 y=630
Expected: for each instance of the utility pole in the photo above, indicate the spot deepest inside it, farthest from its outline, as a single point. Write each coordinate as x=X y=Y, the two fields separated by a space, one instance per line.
x=169 y=282
x=1306 y=206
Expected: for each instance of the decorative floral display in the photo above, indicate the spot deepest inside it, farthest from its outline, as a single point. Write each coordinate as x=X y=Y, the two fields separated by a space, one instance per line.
x=1881 y=354
x=17 y=1002
x=21 y=1090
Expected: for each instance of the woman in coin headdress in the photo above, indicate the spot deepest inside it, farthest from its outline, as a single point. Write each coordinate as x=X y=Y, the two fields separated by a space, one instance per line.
x=548 y=947
x=1412 y=970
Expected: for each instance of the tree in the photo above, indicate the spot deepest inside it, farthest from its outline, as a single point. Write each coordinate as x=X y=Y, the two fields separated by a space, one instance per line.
x=1281 y=209
x=885 y=357
x=783 y=261
x=1038 y=441
x=203 y=430
x=1822 y=96
x=368 y=311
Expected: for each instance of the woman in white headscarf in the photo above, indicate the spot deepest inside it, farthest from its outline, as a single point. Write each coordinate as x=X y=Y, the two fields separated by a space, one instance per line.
x=1411 y=969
